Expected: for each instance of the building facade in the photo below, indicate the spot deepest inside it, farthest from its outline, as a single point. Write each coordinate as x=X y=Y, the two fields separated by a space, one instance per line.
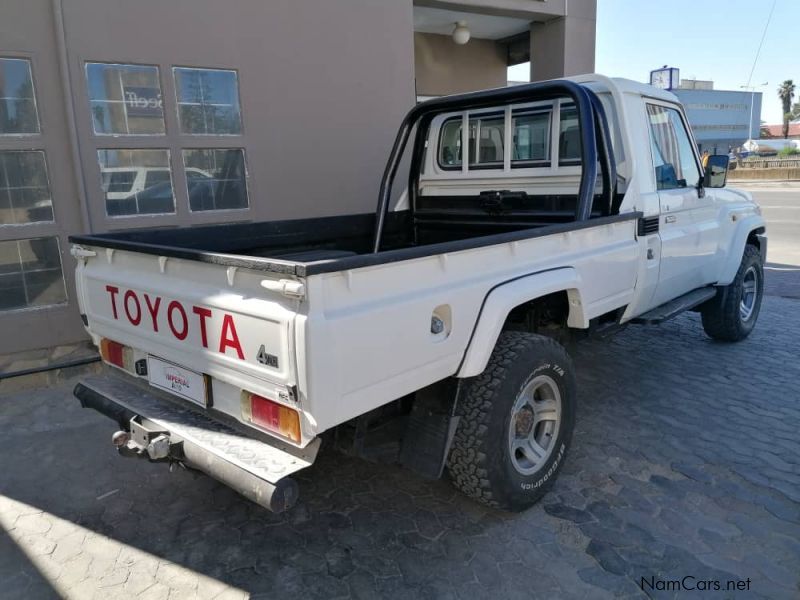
x=118 y=115
x=720 y=119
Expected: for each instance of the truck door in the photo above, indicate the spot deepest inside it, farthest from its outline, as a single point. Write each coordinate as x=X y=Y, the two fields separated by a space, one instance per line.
x=677 y=174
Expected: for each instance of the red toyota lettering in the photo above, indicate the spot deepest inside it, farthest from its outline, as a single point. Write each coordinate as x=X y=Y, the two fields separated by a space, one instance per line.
x=138 y=318
x=203 y=314
x=113 y=291
x=153 y=310
x=229 y=329
x=184 y=331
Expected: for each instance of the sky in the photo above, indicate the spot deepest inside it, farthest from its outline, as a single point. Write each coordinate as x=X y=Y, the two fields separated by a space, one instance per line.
x=705 y=39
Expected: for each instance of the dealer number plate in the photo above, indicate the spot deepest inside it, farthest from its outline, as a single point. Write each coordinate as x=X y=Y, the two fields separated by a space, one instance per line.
x=178 y=380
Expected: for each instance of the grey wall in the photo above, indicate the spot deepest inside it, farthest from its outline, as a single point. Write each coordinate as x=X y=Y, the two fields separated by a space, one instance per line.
x=566 y=45
x=28 y=31
x=444 y=67
x=323 y=87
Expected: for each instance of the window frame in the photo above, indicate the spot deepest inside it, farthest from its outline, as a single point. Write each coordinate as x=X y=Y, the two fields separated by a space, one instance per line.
x=439 y=162
x=533 y=163
x=25 y=135
x=160 y=80
x=170 y=170
x=554 y=165
x=175 y=68
x=173 y=140
x=43 y=152
x=217 y=210
x=59 y=253
x=480 y=116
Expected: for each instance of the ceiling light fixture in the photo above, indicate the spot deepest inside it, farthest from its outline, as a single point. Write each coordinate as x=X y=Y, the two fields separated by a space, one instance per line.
x=461 y=33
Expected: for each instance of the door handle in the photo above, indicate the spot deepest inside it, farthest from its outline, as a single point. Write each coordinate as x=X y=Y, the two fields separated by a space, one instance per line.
x=670 y=219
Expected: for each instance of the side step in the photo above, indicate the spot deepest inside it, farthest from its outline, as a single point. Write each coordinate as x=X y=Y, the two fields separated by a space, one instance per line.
x=256 y=469
x=675 y=307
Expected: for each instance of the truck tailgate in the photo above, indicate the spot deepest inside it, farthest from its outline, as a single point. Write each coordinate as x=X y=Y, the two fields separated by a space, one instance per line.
x=215 y=320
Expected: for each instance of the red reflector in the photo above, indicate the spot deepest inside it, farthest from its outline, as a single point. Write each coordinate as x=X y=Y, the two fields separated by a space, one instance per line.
x=113 y=352
x=266 y=412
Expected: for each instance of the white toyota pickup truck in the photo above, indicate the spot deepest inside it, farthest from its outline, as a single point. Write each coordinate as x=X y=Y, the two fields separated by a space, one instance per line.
x=432 y=332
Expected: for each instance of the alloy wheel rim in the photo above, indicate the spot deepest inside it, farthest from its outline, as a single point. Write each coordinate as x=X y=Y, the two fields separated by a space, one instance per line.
x=534 y=424
x=747 y=304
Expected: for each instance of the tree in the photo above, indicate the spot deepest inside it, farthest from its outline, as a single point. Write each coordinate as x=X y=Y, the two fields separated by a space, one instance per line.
x=795 y=114
x=786 y=94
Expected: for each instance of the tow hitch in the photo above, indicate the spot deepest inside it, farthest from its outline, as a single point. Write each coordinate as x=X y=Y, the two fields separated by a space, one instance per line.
x=146 y=440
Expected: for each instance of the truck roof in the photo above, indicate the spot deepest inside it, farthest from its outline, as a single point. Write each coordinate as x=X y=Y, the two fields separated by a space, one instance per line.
x=625 y=86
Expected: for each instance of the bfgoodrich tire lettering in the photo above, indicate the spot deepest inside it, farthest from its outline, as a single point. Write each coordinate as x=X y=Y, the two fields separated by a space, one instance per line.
x=481 y=464
x=731 y=315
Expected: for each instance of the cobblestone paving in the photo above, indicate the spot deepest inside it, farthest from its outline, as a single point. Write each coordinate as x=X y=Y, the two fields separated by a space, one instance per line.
x=685 y=461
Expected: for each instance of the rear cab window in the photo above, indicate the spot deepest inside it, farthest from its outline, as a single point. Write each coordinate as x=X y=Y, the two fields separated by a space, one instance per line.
x=534 y=136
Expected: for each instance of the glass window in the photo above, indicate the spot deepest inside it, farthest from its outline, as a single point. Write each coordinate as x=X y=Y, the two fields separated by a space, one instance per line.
x=17 y=102
x=569 y=137
x=30 y=273
x=450 y=144
x=125 y=99
x=486 y=141
x=208 y=101
x=136 y=182
x=673 y=156
x=24 y=189
x=215 y=179
x=531 y=137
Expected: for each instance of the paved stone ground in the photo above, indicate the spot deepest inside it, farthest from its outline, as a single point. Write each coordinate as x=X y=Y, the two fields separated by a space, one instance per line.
x=685 y=461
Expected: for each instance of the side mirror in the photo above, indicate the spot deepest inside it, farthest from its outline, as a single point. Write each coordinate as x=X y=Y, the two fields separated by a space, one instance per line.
x=716 y=171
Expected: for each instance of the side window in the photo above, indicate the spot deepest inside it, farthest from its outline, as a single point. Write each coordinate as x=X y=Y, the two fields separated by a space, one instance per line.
x=128 y=181
x=450 y=144
x=18 y=113
x=673 y=157
x=125 y=99
x=531 y=141
x=569 y=137
x=24 y=188
x=208 y=101
x=486 y=141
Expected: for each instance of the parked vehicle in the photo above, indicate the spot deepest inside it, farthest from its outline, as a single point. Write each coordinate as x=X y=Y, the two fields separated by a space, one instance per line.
x=135 y=190
x=431 y=333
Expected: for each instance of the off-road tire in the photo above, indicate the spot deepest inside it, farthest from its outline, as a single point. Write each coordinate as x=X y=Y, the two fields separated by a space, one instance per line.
x=480 y=462
x=721 y=317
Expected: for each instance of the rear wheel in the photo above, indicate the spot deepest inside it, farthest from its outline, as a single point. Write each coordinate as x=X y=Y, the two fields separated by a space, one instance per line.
x=516 y=423
x=731 y=315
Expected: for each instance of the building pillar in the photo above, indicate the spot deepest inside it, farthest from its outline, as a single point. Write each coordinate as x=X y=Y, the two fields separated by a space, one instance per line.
x=565 y=46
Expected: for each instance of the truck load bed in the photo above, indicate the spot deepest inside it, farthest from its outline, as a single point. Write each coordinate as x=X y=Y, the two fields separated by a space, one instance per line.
x=308 y=246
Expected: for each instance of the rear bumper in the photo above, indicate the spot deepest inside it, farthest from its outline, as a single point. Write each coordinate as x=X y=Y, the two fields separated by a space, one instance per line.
x=259 y=469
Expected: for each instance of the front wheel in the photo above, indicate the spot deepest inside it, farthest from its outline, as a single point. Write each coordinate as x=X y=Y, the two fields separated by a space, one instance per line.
x=731 y=315
x=516 y=422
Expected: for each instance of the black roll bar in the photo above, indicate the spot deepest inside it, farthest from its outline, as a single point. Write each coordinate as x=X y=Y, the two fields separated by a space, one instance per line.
x=591 y=119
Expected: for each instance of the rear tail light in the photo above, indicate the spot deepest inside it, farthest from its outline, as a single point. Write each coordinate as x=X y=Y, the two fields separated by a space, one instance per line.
x=270 y=415
x=117 y=354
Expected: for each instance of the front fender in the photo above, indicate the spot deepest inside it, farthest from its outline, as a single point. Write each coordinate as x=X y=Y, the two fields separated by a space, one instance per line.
x=503 y=298
x=735 y=250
